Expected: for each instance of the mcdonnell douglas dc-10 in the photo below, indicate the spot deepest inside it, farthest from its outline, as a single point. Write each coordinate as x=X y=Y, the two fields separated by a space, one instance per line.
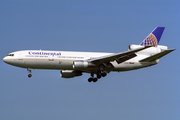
x=73 y=64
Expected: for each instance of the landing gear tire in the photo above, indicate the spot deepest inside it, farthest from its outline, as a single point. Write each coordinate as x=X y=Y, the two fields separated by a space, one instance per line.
x=103 y=74
x=90 y=79
x=29 y=75
x=29 y=70
x=95 y=80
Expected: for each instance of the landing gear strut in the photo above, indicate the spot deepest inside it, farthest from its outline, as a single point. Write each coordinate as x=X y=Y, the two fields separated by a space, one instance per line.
x=99 y=75
x=29 y=70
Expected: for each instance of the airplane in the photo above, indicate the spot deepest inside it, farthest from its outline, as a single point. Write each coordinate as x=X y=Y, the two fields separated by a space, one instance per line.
x=73 y=64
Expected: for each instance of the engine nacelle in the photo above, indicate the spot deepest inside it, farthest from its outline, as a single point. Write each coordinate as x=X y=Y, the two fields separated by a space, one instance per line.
x=70 y=73
x=82 y=64
x=132 y=47
x=148 y=51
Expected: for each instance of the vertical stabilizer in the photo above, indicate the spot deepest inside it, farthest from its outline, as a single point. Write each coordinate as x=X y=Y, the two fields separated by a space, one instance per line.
x=153 y=38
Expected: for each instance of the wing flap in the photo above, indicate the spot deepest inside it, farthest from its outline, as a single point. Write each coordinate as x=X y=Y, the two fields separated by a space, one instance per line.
x=157 y=56
x=125 y=58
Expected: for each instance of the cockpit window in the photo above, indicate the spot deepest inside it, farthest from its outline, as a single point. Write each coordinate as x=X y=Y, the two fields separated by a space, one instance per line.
x=10 y=55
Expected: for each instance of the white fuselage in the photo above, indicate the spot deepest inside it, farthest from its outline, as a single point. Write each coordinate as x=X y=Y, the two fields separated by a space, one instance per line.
x=63 y=60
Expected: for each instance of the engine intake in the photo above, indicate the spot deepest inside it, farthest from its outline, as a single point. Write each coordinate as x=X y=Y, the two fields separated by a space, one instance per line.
x=70 y=73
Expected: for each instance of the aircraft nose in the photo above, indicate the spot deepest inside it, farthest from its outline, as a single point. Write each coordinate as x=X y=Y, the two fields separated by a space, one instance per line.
x=5 y=59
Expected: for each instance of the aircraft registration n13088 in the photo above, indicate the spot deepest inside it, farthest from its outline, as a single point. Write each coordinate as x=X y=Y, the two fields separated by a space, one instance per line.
x=73 y=64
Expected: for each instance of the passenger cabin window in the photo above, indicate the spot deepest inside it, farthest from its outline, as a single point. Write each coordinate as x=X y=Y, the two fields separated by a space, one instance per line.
x=10 y=55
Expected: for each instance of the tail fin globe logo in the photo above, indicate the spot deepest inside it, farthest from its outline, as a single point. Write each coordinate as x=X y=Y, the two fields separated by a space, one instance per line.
x=150 y=40
x=153 y=38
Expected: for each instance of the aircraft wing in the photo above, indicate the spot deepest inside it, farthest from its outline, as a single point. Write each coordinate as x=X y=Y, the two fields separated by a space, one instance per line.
x=157 y=56
x=119 y=57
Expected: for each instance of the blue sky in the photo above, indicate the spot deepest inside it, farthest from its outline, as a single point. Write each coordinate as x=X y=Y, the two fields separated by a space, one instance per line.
x=99 y=26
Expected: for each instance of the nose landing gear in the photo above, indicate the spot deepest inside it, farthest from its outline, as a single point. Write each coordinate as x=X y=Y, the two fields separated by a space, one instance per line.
x=29 y=70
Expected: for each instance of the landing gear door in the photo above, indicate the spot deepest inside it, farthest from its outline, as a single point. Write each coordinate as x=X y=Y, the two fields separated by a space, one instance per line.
x=51 y=58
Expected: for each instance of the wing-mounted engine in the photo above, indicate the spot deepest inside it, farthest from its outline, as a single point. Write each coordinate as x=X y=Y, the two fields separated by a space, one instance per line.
x=82 y=64
x=70 y=73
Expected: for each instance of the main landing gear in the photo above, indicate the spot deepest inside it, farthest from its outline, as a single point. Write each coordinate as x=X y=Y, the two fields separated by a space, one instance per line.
x=99 y=75
x=29 y=70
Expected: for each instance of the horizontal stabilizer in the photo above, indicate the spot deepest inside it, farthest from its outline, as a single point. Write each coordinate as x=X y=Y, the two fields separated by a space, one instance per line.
x=156 y=56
